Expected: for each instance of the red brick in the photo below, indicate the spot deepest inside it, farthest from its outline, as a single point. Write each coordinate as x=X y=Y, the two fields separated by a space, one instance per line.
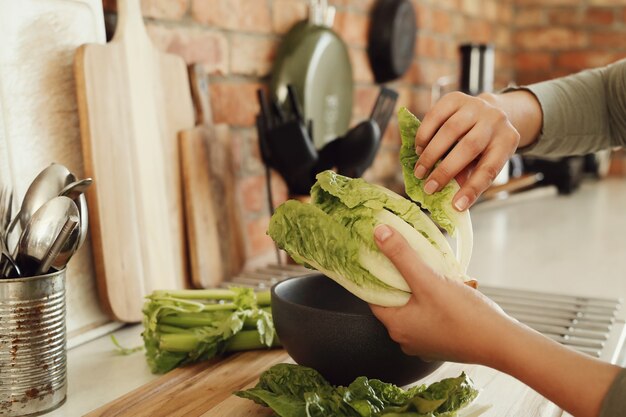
x=235 y=103
x=502 y=38
x=385 y=165
x=195 y=46
x=280 y=192
x=352 y=28
x=286 y=13
x=361 y=69
x=624 y=15
x=479 y=31
x=391 y=136
x=505 y=12
x=364 y=99
x=530 y=77
x=449 y=4
x=533 y=61
x=571 y=16
x=490 y=10
x=534 y=16
x=599 y=16
x=441 y=21
x=252 y=55
x=427 y=46
x=252 y=161
x=576 y=61
x=472 y=7
x=165 y=9
x=258 y=240
x=360 y=5
x=609 y=39
x=252 y=193
x=242 y=15
x=426 y=71
x=424 y=16
x=606 y=2
x=523 y=3
x=549 y=38
x=422 y=98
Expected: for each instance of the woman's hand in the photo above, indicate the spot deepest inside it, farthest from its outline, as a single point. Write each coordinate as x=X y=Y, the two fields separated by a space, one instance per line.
x=475 y=136
x=448 y=320
x=444 y=319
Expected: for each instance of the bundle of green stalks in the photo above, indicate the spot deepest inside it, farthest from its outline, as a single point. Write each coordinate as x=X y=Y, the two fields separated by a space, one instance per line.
x=186 y=326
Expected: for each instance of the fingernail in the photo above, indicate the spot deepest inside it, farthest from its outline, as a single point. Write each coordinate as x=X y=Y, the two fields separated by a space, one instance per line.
x=431 y=186
x=462 y=203
x=420 y=171
x=419 y=149
x=382 y=233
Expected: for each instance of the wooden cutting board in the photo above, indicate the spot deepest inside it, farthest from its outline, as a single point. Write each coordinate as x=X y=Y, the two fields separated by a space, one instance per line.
x=205 y=390
x=133 y=100
x=216 y=247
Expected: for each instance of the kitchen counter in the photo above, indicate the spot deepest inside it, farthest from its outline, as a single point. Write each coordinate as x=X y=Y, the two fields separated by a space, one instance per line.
x=536 y=240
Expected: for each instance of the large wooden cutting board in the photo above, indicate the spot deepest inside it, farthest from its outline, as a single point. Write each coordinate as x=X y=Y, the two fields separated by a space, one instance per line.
x=205 y=390
x=133 y=100
x=216 y=247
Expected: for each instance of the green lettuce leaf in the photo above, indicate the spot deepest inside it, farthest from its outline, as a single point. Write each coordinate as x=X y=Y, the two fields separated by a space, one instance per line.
x=315 y=239
x=438 y=204
x=297 y=391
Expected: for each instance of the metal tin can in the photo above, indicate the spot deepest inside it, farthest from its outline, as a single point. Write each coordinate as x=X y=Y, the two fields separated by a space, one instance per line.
x=33 y=360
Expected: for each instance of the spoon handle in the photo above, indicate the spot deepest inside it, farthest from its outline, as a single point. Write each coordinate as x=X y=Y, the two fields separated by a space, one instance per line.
x=60 y=240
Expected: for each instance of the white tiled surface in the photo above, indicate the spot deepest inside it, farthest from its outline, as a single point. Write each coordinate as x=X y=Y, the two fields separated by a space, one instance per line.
x=570 y=244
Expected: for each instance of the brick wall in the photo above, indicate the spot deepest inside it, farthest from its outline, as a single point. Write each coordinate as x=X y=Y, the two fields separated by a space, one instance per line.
x=559 y=37
x=235 y=41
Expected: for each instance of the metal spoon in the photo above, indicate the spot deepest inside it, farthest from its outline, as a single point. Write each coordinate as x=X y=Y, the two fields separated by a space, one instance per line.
x=44 y=187
x=75 y=191
x=42 y=230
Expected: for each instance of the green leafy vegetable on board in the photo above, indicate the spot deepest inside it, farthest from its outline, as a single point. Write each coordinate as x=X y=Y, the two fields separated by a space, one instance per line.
x=297 y=391
x=184 y=326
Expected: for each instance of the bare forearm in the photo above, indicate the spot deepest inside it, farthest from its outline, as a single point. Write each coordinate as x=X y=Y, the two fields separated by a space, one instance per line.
x=574 y=381
x=523 y=111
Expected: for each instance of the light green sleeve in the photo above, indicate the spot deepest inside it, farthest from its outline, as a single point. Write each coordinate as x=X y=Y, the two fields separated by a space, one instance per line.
x=614 y=404
x=582 y=113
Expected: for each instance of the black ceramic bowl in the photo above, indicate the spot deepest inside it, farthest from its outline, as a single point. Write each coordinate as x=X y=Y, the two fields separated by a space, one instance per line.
x=323 y=326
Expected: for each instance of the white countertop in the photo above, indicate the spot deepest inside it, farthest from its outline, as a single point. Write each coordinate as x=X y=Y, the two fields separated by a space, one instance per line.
x=541 y=241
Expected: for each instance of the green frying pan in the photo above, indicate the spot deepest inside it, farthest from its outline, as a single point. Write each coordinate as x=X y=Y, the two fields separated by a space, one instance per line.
x=315 y=61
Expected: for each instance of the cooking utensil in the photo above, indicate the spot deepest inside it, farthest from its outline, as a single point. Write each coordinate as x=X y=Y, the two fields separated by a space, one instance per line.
x=315 y=61
x=76 y=191
x=355 y=152
x=391 y=39
x=61 y=240
x=76 y=188
x=46 y=185
x=132 y=101
x=40 y=234
x=322 y=325
x=216 y=246
x=7 y=264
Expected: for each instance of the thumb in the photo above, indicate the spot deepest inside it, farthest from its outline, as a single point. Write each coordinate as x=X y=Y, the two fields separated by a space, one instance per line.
x=393 y=245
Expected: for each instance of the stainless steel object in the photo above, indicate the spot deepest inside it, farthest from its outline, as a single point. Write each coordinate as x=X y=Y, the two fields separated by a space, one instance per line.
x=586 y=324
x=61 y=240
x=6 y=260
x=32 y=344
x=76 y=191
x=77 y=188
x=41 y=232
x=47 y=185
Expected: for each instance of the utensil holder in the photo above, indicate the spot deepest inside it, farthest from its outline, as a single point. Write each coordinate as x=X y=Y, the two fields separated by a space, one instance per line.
x=33 y=360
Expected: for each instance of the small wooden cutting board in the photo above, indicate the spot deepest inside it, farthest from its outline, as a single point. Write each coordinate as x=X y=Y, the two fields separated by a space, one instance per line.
x=216 y=247
x=133 y=100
